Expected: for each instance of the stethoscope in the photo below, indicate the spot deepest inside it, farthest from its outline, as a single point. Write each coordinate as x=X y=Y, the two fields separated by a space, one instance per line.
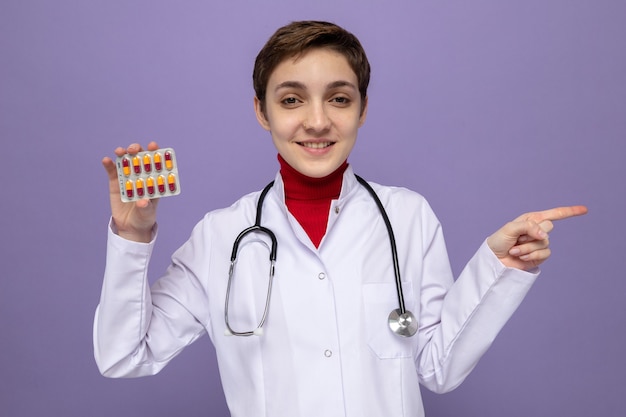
x=401 y=321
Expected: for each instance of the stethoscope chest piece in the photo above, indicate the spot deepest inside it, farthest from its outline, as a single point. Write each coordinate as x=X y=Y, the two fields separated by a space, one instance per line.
x=402 y=324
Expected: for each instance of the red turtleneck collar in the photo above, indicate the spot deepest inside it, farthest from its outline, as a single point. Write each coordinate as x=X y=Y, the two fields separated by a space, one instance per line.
x=308 y=199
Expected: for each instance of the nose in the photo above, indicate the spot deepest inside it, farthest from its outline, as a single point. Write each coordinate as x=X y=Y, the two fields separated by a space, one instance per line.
x=316 y=118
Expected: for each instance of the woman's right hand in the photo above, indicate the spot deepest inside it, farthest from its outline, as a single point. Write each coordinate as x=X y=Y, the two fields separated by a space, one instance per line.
x=134 y=220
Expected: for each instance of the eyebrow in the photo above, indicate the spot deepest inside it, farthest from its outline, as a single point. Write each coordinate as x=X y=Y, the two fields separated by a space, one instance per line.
x=342 y=83
x=300 y=86
x=290 y=84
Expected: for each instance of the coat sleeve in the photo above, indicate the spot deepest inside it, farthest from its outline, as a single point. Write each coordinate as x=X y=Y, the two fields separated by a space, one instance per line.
x=137 y=329
x=463 y=317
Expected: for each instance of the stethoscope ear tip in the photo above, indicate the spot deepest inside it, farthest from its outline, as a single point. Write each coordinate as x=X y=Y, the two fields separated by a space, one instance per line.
x=228 y=333
x=258 y=332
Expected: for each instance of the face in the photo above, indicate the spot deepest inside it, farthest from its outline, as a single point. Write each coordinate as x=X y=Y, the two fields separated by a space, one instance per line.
x=313 y=111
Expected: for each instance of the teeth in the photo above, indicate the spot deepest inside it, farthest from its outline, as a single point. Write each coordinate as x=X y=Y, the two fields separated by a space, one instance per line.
x=316 y=145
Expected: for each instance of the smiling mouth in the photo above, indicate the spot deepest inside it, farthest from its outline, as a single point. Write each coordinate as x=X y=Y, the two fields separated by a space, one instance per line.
x=316 y=145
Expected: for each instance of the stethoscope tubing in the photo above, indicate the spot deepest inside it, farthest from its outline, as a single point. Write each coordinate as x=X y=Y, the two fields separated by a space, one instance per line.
x=392 y=241
x=401 y=321
x=233 y=259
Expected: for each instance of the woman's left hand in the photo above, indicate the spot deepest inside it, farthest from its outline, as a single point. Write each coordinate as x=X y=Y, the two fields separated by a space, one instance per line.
x=523 y=243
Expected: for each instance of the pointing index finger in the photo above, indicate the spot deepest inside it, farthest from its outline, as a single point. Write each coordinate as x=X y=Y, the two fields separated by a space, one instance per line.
x=557 y=213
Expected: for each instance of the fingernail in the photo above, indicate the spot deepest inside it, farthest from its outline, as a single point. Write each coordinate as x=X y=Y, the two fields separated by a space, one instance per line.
x=515 y=251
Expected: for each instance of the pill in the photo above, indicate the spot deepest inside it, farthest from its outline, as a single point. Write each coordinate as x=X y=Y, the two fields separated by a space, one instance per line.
x=157 y=162
x=126 y=166
x=169 y=164
x=136 y=165
x=161 y=184
x=140 y=189
x=171 y=182
x=150 y=185
x=147 y=163
x=129 y=189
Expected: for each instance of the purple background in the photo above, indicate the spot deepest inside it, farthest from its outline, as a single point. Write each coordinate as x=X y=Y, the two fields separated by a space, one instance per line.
x=488 y=108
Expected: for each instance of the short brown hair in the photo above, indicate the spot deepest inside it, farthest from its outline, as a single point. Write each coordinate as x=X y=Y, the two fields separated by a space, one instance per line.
x=296 y=38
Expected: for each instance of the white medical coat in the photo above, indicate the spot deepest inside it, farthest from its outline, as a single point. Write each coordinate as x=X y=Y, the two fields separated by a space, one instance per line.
x=326 y=349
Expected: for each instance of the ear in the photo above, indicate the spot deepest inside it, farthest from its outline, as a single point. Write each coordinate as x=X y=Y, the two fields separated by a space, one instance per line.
x=363 y=113
x=260 y=114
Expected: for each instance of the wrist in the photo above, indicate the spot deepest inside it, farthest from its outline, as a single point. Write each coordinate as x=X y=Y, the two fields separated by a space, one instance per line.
x=135 y=235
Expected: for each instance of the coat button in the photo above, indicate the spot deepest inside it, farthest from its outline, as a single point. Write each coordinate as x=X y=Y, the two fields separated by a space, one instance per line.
x=328 y=353
x=321 y=276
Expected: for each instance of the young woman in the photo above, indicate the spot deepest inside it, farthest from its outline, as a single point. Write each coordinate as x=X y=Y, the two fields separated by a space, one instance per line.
x=328 y=345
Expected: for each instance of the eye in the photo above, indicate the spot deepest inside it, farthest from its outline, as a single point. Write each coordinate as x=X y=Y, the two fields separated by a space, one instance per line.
x=289 y=101
x=341 y=100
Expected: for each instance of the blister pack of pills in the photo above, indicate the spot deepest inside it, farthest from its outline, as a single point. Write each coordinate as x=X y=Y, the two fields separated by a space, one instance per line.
x=148 y=174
